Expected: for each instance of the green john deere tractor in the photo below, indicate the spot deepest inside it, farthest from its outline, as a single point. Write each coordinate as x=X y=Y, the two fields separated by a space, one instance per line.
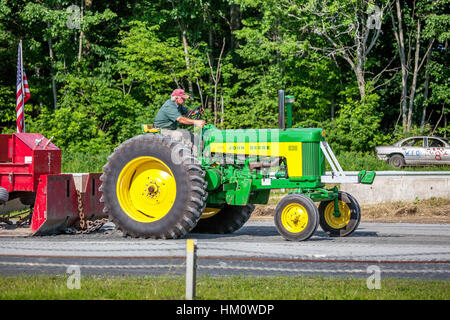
x=155 y=186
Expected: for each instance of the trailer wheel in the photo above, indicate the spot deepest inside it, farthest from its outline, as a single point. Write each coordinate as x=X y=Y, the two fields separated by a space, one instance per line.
x=226 y=220
x=347 y=222
x=296 y=217
x=153 y=187
x=3 y=195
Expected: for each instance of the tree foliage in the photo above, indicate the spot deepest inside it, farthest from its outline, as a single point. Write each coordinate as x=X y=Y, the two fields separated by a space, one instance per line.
x=98 y=69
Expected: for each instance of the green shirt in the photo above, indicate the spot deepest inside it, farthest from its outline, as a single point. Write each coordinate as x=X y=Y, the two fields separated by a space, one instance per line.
x=167 y=116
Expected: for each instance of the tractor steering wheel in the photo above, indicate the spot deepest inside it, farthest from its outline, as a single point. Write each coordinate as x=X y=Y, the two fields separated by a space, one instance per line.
x=196 y=112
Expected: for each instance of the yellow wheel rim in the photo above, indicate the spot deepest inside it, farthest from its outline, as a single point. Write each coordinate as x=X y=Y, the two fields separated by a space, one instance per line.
x=294 y=218
x=209 y=212
x=337 y=222
x=146 y=189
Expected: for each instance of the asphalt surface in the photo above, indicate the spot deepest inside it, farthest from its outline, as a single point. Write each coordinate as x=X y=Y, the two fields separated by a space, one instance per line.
x=400 y=250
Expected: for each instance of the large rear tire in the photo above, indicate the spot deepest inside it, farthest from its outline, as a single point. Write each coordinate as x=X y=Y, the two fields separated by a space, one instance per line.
x=227 y=220
x=153 y=188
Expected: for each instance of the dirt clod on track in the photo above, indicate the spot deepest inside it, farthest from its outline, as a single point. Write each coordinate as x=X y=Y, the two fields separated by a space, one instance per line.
x=434 y=210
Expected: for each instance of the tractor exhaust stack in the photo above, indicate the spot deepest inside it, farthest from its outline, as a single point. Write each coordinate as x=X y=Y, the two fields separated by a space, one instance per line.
x=281 y=124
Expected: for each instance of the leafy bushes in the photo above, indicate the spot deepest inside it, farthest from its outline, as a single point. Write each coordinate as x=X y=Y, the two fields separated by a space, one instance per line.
x=114 y=72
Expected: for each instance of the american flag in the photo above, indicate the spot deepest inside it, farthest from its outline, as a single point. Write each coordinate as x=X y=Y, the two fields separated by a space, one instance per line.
x=22 y=91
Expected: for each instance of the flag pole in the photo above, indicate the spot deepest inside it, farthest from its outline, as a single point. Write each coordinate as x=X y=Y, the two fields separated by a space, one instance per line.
x=22 y=84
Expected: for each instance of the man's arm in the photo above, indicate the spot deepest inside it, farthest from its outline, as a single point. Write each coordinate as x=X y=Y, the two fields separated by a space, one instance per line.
x=198 y=123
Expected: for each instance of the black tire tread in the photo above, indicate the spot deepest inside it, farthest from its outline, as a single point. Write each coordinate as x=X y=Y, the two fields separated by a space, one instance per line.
x=228 y=220
x=195 y=191
x=313 y=214
x=351 y=226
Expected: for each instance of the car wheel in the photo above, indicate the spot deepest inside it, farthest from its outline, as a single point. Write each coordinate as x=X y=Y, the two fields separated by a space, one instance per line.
x=397 y=161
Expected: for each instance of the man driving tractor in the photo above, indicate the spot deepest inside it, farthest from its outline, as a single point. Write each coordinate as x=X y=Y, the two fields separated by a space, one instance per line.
x=172 y=111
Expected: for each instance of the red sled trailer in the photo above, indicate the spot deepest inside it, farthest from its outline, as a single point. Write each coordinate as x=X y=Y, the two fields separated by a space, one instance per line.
x=30 y=169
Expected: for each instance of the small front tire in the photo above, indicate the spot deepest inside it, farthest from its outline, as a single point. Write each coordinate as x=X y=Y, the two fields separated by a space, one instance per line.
x=346 y=222
x=296 y=217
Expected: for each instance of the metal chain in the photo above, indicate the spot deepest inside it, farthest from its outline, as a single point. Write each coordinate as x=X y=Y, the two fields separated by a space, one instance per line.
x=93 y=225
x=87 y=226
x=81 y=211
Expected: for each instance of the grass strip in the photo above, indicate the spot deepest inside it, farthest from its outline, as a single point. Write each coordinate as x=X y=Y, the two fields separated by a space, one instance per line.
x=44 y=287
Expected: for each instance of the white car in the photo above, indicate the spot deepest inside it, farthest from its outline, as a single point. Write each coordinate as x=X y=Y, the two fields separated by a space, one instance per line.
x=420 y=150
